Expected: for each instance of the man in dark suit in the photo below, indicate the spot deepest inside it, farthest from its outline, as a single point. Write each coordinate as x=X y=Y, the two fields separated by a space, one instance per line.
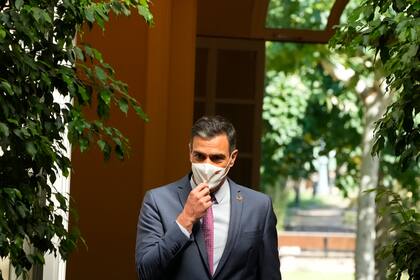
x=205 y=226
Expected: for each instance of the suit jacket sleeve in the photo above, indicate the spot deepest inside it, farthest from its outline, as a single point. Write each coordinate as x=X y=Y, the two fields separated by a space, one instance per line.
x=269 y=264
x=155 y=248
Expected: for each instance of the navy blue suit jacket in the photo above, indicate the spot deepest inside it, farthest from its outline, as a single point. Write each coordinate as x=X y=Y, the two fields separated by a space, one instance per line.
x=164 y=252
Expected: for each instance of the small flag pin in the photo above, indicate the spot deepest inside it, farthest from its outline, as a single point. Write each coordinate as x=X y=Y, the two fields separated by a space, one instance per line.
x=239 y=197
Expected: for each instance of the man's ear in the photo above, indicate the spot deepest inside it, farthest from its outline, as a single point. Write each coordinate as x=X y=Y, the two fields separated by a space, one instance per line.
x=233 y=156
x=190 y=151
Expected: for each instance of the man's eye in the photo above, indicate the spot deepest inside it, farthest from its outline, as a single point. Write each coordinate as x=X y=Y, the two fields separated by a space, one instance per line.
x=216 y=159
x=200 y=157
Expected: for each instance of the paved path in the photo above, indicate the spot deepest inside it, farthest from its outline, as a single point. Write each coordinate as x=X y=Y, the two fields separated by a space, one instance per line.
x=323 y=219
x=317 y=264
x=326 y=219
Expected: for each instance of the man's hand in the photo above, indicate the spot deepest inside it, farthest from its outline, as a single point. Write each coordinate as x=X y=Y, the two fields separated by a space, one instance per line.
x=198 y=202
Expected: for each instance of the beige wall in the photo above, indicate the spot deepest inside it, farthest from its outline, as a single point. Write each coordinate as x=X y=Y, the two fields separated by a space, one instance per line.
x=158 y=65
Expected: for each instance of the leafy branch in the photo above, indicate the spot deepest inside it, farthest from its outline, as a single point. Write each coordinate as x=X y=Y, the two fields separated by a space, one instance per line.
x=405 y=232
x=46 y=83
x=391 y=29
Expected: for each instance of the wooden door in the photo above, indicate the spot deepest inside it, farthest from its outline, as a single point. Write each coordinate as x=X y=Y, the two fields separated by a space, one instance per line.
x=229 y=81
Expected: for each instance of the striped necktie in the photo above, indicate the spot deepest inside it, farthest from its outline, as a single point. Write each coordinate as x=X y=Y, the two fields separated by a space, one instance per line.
x=208 y=231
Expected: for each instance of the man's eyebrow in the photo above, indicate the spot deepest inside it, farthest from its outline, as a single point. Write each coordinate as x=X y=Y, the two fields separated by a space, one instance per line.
x=217 y=155
x=209 y=155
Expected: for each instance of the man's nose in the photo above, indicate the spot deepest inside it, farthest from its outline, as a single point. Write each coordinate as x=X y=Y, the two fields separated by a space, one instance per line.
x=208 y=160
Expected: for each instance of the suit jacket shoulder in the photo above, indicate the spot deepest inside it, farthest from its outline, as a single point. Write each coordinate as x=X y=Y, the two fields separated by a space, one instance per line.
x=255 y=196
x=169 y=189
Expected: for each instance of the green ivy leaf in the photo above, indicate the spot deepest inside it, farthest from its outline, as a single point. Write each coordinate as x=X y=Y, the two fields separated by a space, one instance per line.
x=100 y=73
x=89 y=51
x=410 y=54
x=83 y=93
x=62 y=201
x=106 y=96
x=83 y=144
x=139 y=111
x=31 y=149
x=145 y=13
x=36 y=258
x=97 y=55
x=79 y=54
x=89 y=14
x=21 y=211
x=102 y=108
x=119 y=150
x=18 y=4
x=40 y=14
x=2 y=33
x=101 y=144
x=13 y=194
x=106 y=150
x=123 y=105
x=6 y=86
x=4 y=130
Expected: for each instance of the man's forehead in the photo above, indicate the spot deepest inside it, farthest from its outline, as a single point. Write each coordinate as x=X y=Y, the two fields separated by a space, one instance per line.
x=215 y=153
x=218 y=140
x=217 y=144
x=209 y=151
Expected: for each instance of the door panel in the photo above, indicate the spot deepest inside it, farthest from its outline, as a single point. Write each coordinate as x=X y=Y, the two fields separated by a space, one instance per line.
x=229 y=82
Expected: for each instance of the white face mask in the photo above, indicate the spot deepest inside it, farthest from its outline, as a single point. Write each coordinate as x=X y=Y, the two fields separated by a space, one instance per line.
x=212 y=175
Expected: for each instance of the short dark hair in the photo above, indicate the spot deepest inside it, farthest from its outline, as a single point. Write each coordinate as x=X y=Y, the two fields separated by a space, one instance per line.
x=208 y=127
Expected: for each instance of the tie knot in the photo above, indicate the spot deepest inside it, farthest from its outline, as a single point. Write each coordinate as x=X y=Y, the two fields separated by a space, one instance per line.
x=213 y=198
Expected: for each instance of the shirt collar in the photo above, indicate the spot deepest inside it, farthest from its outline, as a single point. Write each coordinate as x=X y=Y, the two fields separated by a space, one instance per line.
x=221 y=194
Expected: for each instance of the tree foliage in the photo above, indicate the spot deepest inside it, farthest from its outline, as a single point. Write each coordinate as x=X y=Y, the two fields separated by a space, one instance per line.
x=39 y=66
x=308 y=109
x=308 y=14
x=307 y=112
x=392 y=30
x=404 y=248
x=298 y=79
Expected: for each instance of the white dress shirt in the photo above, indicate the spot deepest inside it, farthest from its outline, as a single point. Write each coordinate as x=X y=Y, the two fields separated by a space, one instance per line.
x=221 y=218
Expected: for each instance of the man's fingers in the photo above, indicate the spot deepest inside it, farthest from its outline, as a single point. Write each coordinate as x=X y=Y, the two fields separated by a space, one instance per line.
x=200 y=191
x=201 y=187
x=206 y=198
x=208 y=204
x=205 y=191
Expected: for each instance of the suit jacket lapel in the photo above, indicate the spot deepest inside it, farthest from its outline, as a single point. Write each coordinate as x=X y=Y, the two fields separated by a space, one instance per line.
x=236 y=204
x=183 y=191
x=199 y=241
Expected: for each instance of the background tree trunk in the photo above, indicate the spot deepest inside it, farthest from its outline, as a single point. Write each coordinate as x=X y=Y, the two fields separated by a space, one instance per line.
x=382 y=226
x=375 y=104
x=296 y=188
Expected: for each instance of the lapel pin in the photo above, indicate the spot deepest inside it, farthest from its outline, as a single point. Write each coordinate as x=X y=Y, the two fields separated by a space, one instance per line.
x=239 y=197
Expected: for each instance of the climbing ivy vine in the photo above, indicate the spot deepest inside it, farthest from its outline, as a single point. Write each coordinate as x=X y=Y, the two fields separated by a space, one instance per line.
x=46 y=82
